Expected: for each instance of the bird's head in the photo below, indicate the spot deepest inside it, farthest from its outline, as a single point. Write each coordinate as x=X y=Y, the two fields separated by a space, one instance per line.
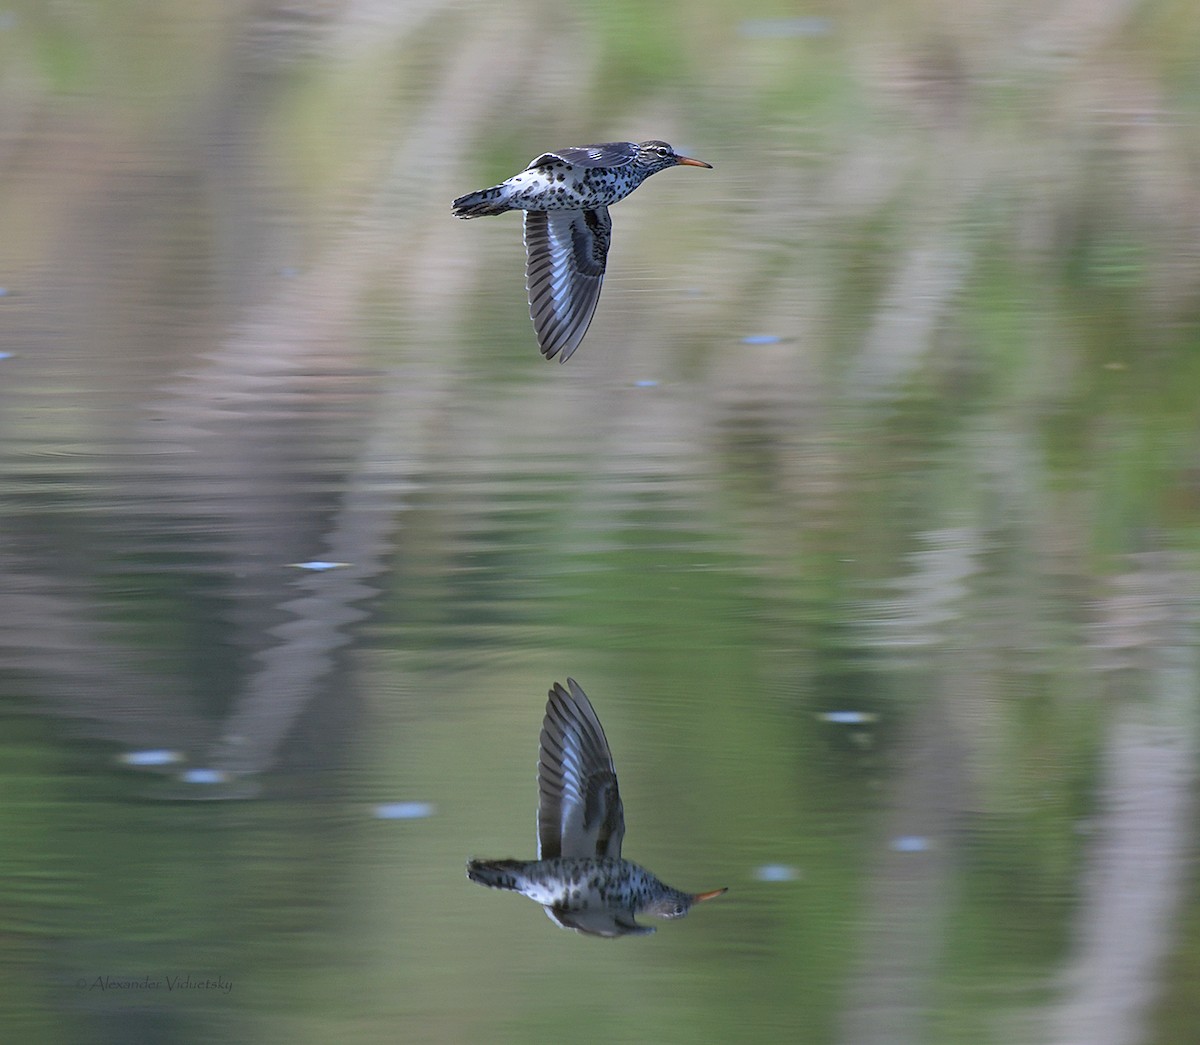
x=655 y=156
x=674 y=904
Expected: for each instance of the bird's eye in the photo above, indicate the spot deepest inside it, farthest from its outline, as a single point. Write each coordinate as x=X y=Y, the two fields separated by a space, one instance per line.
x=663 y=151
x=679 y=909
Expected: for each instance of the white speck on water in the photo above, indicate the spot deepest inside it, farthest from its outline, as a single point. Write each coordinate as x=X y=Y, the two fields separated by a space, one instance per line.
x=646 y=383
x=204 y=776
x=318 y=564
x=404 y=810
x=910 y=844
x=155 y=757
x=761 y=339
x=848 y=718
x=777 y=873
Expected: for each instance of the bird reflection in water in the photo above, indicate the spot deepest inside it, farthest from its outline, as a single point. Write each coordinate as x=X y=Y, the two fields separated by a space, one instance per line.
x=579 y=876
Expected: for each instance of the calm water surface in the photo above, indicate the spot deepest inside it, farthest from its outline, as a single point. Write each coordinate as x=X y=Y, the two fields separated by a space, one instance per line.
x=865 y=514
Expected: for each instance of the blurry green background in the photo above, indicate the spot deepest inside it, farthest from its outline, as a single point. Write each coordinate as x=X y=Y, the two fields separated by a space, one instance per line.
x=894 y=413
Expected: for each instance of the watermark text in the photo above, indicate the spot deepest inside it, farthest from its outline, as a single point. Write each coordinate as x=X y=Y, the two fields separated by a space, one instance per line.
x=168 y=983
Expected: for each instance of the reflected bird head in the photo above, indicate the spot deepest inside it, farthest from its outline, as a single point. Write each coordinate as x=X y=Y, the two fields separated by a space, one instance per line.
x=674 y=904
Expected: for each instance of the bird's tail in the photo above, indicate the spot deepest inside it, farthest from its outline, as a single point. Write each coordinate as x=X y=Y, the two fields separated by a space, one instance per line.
x=495 y=874
x=485 y=201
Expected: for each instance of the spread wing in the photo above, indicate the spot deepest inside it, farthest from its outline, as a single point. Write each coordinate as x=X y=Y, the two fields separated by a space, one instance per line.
x=566 y=251
x=579 y=806
x=606 y=154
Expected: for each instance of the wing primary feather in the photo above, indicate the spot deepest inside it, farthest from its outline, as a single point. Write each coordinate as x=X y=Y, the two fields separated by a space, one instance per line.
x=579 y=809
x=566 y=255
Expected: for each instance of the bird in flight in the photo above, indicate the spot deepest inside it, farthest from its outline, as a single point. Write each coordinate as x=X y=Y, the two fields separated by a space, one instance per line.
x=579 y=876
x=565 y=196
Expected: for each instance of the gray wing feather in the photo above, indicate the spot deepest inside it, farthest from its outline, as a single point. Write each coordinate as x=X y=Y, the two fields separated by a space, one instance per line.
x=566 y=251
x=598 y=922
x=606 y=154
x=579 y=805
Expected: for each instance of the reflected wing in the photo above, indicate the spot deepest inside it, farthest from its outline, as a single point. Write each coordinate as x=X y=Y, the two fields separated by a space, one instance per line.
x=565 y=255
x=598 y=922
x=606 y=154
x=579 y=806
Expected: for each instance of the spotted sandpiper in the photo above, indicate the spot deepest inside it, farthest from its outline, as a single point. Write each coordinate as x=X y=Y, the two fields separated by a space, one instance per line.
x=579 y=876
x=565 y=196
